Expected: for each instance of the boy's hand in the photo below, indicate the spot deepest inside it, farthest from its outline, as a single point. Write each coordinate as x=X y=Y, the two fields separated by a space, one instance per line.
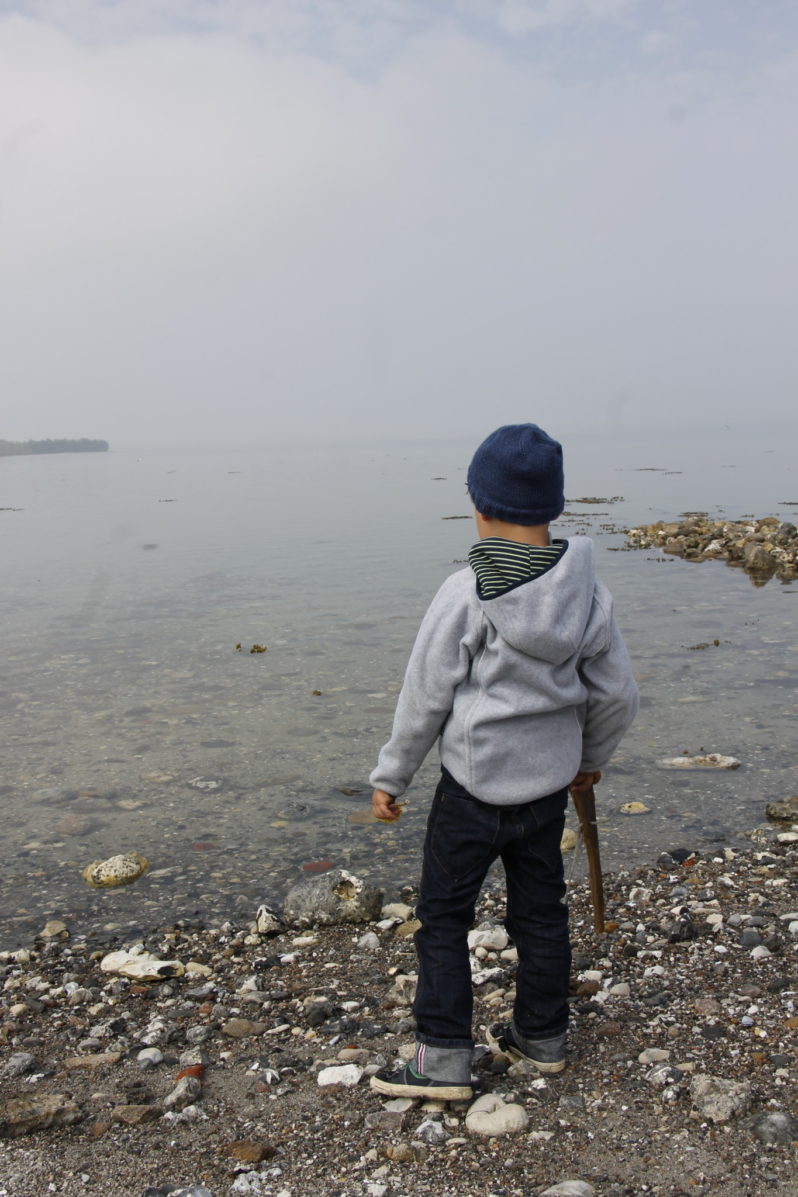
x=583 y=782
x=384 y=806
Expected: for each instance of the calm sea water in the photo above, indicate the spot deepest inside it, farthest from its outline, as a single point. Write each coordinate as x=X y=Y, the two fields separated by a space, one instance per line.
x=130 y=720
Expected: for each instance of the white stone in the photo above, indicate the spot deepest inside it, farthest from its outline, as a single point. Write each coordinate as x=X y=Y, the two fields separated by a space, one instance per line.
x=490 y=1116
x=150 y=1055
x=493 y=939
x=195 y=969
x=340 y=1074
x=622 y=989
x=711 y=760
x=653 y=1055
x=369 y=942
x=397 y=910
x=760 y=952
x=399 y=1105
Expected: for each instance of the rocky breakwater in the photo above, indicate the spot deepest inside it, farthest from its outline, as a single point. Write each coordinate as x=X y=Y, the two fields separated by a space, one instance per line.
x=764 y=548
x=207 y=1061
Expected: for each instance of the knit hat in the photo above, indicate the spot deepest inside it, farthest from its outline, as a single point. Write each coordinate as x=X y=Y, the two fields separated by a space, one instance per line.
x=516 y=475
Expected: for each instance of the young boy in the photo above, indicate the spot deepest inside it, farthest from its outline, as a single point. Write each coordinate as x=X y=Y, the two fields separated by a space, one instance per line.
x=520 y=672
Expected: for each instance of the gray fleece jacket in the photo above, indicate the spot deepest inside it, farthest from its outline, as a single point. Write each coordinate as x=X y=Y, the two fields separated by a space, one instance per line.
x=522 y=691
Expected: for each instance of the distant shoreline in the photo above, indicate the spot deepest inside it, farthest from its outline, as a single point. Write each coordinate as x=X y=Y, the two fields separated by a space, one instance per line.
x=22 y=448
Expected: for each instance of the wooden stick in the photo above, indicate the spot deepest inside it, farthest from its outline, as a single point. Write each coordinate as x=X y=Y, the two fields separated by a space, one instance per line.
x=585 y=806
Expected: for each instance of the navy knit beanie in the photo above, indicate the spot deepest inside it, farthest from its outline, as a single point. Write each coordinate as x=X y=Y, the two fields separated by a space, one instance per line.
x=516 y=475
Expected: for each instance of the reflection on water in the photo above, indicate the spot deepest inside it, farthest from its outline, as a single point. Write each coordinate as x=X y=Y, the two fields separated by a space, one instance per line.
x=131 y=722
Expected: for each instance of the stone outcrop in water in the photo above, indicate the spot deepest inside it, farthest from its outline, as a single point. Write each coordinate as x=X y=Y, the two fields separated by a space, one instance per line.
x=764 y=548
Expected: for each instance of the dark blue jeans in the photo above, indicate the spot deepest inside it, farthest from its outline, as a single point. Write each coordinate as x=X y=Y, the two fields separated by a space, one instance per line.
x=464 y=838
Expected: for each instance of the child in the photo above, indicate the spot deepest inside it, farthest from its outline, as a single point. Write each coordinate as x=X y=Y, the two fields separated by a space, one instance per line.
x=520 y=672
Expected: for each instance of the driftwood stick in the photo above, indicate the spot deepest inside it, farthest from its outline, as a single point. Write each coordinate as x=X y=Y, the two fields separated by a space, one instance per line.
x=585 y=806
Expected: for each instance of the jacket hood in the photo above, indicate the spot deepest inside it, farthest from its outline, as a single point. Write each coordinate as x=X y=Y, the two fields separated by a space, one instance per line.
x=548 y=617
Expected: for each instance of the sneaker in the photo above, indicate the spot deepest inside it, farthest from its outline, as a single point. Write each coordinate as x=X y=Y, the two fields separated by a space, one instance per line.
x=406 y=1082
x=547 y=1055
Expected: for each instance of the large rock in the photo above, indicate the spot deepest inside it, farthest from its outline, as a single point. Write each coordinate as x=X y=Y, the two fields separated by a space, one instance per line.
x=116 y=870
x=718 y=1099
x=336 y=897
x=786 y=810
x=490 y=1116
x=23 y=1115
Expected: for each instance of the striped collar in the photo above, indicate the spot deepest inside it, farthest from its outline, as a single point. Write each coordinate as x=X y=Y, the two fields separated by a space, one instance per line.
x=501 y=565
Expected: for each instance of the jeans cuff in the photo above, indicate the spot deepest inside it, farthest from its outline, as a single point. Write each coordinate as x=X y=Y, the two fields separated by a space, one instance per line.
x=432 y=1041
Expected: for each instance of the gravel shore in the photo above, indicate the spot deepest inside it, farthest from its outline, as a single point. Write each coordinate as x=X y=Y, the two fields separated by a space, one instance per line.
x=681 y=1075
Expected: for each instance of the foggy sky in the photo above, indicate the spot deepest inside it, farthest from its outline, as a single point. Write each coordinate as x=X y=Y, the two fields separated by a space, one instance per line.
x=251 y=220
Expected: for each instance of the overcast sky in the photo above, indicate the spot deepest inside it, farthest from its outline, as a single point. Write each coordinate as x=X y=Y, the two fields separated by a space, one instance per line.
x=238 y=220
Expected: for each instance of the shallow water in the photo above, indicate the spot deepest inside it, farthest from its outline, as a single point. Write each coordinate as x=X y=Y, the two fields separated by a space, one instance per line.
x=128 y=580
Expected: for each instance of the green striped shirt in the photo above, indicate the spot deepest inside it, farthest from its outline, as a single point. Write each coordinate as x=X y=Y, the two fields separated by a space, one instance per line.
x=501 y=565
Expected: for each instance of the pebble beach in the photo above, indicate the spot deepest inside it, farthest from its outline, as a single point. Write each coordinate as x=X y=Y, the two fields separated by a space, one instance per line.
x=242 y=1067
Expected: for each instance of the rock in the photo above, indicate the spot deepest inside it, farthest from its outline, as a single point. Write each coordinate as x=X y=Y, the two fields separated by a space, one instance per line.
x=399 y=1105
x=139 y=965
x=712 y=760
x=403 y=990
x=662 y=1076
x=570 y=1188
x=54 y=929
x=248 y=1151
x=654 y=1055
x=185 y=1093
x=388 y=1121
x=335 y=897
x=758 y=559
x=774 y=1126
x=786 y=810
x=568 y=841
x=369 y=942
x=431 y=1132
x=150 y=1057
x=91 y=1061
x=135 y=1115
x=242 y=1028
x=340 y=1074
x=19 y=1064
x=116 y=870
x=634 y=808
x=397 y=910
x=251 y=1184
x=24 y=1115
x=489 y=1116
x=718 y=1099
x=493 y=939
x=268 y=922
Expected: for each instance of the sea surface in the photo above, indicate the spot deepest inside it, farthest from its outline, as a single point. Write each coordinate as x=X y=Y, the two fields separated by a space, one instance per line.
x=134 y=715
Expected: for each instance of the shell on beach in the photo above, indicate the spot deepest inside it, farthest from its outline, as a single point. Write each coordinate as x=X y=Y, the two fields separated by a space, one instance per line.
x=711 y=760
x=116 y=870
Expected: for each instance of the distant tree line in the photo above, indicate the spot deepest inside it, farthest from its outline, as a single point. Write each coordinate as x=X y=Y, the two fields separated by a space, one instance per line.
x=84 y=445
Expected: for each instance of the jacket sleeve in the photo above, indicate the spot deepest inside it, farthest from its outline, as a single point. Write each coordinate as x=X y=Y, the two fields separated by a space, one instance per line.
x=613 y=699
x=441 y=659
